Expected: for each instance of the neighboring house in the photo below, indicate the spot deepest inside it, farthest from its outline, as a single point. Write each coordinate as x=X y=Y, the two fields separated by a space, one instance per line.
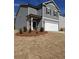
x=45 y=16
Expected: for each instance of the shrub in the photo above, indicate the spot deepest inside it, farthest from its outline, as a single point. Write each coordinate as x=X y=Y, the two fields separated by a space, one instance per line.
x=20 y=31
x=35 y=29
x=42 y=29
x=62 y=29
x=36 y=32
x=29 y=30
x=25 y=29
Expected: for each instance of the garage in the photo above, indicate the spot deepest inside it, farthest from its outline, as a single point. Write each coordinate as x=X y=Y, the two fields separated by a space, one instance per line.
x=51 y=25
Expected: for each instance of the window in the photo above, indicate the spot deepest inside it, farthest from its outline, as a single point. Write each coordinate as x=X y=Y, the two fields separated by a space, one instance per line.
x=55 y=13
x=48 y=11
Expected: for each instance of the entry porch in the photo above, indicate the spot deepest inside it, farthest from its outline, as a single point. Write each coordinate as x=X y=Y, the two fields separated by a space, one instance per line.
x=34 y=22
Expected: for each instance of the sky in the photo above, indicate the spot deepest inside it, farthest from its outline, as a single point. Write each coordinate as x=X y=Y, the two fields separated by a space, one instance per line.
x=60 y=4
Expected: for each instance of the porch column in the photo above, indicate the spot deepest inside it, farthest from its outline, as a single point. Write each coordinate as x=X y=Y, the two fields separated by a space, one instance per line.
x=31 y=23
x=42 y=23
x=28 y=26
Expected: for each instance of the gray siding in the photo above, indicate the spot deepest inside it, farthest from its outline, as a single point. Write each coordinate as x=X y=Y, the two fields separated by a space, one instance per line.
x=39 y=12
x=40 y=24
x=32 y=11
x=21 y=18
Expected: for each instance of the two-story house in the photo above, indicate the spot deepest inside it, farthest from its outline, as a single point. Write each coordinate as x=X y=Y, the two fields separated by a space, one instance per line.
x=45 y=15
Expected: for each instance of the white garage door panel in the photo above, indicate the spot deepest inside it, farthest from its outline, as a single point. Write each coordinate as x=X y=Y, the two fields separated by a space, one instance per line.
x=50 y=26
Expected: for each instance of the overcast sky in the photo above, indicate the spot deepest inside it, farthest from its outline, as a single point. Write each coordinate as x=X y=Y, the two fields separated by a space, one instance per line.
x=60 y=4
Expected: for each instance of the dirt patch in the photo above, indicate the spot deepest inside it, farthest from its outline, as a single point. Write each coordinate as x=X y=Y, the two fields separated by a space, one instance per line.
x=33 y=33
x=48 y=46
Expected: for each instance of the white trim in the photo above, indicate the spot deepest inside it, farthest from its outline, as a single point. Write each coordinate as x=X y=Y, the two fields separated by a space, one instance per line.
x=50 y=19
x=31 y=23
x=53 y=3
x=47 y=1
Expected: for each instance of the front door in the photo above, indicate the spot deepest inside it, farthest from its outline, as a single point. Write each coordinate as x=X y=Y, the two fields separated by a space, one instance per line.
x=34 y=25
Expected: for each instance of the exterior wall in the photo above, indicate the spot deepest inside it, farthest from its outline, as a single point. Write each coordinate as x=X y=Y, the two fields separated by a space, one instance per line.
x=21 y=18
x=61 y=22
x=52 y=7
x=32 y=11
x=40 y=24
x=39 y=12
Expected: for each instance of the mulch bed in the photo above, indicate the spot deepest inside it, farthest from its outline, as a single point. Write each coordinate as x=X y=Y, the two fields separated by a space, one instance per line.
x=33 y=33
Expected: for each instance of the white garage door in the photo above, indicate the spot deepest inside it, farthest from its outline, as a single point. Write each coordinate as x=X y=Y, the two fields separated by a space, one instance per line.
x=51 y=26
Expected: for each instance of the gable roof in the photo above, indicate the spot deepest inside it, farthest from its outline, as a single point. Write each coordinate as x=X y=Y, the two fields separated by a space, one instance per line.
x=39 y=6
x=29 y=5
x=52 y=1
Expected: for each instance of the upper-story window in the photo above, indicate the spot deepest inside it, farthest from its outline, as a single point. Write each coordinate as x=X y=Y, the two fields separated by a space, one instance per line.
x=55 y=13
x=48 y=11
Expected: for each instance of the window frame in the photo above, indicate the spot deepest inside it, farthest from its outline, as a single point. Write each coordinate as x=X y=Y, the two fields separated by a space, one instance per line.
x=55 y=13
x=48 y=11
